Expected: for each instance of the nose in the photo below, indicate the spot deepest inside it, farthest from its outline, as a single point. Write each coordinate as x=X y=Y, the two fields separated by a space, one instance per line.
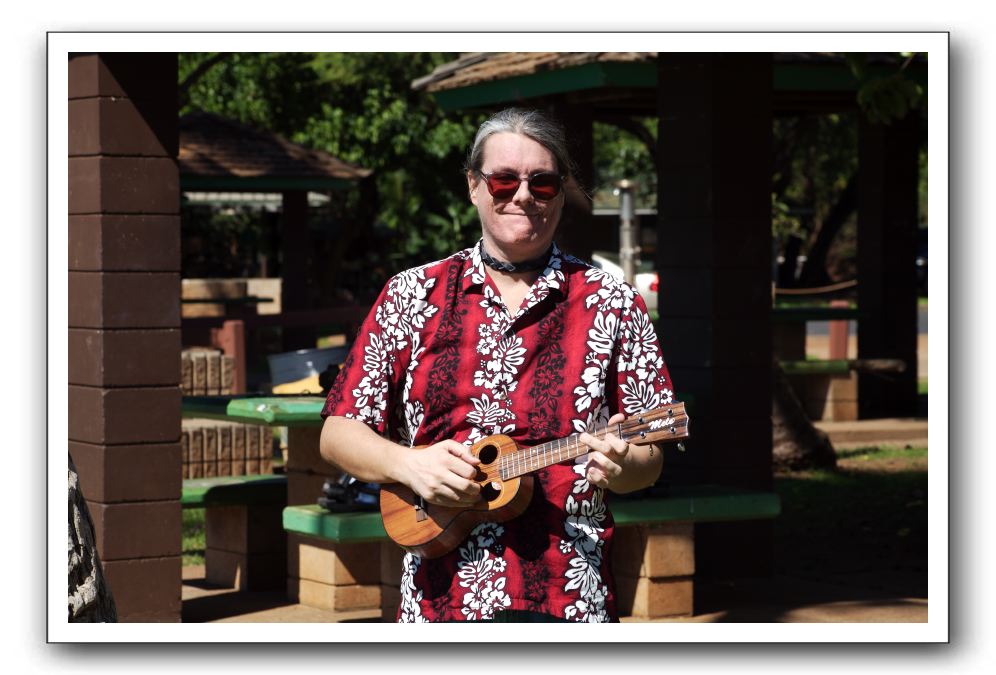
x=522 y=195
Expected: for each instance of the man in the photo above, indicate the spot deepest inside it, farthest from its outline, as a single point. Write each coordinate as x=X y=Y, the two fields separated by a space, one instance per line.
x=512 y=337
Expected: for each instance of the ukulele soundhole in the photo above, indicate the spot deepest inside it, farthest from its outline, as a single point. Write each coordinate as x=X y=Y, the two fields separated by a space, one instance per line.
x=490 y=491
x=488 y=454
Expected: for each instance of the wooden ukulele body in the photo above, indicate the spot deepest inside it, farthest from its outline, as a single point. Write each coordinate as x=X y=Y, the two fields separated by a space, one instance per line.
x=506 y=486
x=431 y=530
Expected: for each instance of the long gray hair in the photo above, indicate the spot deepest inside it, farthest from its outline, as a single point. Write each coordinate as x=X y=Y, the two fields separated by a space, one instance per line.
x=532 y=123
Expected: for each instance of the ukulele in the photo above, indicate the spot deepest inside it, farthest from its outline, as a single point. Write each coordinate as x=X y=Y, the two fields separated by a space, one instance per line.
x=431 y=530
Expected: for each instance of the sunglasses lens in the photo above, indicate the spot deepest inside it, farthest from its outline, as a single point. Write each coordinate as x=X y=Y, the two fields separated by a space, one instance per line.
x=545 y=185
x=542 y=186
x=503 y=185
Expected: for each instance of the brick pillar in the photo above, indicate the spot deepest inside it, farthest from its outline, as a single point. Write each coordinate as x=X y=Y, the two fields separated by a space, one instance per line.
x=295 y=252
x=887 y=227
x=124 y=321
x=714 y=261
x=577 y=234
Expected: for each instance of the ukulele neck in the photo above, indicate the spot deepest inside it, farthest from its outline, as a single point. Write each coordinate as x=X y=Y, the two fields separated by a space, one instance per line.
x=660 y=424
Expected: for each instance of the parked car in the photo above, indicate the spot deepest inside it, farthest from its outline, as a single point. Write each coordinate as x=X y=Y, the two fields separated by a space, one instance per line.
x=646 y=277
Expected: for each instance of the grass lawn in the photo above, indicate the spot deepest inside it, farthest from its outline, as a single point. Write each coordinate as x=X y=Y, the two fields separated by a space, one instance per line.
x=193 y=537
x=864 y=524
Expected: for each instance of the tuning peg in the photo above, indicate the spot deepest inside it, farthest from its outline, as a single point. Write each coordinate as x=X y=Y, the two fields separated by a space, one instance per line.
x=681 y=447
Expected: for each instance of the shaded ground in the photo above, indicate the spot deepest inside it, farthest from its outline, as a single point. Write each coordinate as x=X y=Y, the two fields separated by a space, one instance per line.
x=862 y=525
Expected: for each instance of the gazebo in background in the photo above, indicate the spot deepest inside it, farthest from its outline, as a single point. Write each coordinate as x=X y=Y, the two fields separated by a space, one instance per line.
x=713 y=235
x=219 y=155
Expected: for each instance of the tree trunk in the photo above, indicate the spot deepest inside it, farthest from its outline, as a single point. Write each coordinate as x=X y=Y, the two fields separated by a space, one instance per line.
x=90 y=599
x=814 y=272
x=796 y=442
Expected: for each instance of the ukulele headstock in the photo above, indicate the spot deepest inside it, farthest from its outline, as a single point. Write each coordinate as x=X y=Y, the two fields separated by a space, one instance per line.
x=667 y=423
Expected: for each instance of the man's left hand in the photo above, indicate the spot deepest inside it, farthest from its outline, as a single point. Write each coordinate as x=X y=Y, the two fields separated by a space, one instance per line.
x=604 y=462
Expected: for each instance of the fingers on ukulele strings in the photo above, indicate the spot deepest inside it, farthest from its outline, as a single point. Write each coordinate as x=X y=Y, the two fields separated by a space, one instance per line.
x=463 y=452
x=610 y=444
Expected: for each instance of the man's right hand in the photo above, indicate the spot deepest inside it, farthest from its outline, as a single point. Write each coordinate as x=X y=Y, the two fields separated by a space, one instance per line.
x=442 y=473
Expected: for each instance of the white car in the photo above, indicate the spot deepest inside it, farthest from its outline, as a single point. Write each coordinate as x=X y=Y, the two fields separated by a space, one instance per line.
x=646 y=278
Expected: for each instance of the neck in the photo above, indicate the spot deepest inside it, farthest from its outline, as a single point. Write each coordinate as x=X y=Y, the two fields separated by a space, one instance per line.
x=499 y=260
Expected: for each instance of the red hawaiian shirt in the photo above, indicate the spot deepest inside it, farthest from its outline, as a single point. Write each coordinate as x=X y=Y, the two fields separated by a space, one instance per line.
x=440 y=356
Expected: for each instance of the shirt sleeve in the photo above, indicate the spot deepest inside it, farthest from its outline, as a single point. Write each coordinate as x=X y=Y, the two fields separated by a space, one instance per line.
x=638 y=372
x=367 y=381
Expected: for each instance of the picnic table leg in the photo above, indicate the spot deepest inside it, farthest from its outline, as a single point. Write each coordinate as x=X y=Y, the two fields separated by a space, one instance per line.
x=231 y=339
x=328 y=575
x=839 y=330
x=654 y=568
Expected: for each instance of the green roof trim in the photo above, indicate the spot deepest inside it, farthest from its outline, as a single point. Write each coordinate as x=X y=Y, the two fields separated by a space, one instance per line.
x=832 y=77
x=546 y=82
x=261 y=183
x=827 y=77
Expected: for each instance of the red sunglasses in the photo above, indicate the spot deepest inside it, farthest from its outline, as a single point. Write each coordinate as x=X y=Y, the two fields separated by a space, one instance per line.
x=542 y=186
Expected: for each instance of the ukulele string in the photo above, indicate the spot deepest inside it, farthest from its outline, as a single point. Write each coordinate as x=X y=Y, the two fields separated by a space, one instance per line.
x=520 y=459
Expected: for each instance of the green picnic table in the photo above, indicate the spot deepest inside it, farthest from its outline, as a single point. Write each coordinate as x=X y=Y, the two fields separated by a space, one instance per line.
x=269 y=410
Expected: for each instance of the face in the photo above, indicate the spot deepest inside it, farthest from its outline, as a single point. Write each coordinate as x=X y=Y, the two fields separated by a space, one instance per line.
x=520 y=226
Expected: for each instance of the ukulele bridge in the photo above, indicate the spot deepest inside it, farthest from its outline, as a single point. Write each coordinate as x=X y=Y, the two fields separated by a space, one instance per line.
x=420 y=512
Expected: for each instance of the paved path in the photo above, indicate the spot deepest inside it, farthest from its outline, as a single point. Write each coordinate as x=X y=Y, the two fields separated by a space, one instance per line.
x=779 y=599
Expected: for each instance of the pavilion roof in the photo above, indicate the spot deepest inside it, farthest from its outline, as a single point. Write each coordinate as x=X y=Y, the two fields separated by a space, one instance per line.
x=217 y=153
x=627 y=80
x=477 y=67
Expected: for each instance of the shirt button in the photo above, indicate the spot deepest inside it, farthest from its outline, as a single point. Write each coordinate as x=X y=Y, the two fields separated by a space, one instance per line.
x=499 y=395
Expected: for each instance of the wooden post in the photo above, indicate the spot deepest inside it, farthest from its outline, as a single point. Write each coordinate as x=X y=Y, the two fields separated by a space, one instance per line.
x=887 y=227
x=839 y=331
x=231 y=339
x=714 y=261
x=576 y=234
x=124 y=321
x=295 y=289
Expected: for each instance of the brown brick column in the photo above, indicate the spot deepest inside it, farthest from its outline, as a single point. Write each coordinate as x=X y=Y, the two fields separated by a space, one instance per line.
x=295 y=271
x=577 y=233
x=714 y=261
x=888 y=168
x=124 y=321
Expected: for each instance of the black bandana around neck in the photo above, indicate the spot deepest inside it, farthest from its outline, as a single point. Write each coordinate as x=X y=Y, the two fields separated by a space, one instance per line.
x=521 y=266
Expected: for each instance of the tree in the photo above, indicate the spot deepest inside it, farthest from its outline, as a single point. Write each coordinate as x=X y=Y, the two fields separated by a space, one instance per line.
x=796 y=443
x=814 y=198
x=90 y=599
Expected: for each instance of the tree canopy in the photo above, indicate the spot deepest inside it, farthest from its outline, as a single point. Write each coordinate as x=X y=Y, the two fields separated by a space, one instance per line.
x=360 y=107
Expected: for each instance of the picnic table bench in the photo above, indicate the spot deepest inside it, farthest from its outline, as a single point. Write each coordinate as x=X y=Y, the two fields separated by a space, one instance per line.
x=653 y=552
x=245 y=543
x=827 y=388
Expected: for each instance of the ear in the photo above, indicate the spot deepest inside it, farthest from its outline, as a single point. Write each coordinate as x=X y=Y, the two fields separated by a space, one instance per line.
x=473 y=183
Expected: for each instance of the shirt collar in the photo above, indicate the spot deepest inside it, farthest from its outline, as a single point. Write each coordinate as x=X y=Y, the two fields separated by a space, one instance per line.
x=552 y=278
